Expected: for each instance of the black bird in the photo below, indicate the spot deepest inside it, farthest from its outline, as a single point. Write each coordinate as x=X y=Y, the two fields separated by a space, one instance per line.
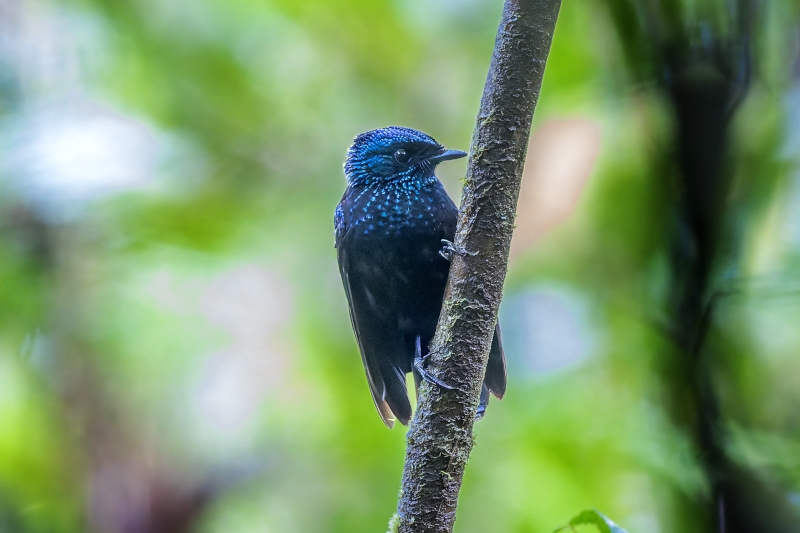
x=389 y=229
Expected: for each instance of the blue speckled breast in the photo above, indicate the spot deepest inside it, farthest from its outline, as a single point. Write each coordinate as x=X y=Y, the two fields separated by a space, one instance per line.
x=392 y=209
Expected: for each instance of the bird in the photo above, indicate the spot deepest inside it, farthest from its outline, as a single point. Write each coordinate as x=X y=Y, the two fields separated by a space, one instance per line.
x=393 y=233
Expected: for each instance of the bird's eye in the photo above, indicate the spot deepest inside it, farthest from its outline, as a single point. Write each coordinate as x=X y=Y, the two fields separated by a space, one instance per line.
x=401 y=156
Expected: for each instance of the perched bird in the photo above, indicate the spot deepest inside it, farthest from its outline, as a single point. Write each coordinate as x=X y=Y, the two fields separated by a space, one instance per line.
x=389 y=229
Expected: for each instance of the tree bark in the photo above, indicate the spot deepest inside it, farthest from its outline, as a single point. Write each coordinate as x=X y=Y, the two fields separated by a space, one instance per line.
x=440 y=437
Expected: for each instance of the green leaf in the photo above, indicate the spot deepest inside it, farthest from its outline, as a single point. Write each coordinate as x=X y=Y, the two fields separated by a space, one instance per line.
x=595 y=517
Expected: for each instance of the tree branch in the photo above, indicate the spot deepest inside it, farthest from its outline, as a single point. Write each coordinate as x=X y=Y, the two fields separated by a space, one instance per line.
x=440 y=437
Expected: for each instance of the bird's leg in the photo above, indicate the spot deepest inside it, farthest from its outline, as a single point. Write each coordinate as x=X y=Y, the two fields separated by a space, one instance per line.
x=449 y=249
x=484 y=402
x=419 y=362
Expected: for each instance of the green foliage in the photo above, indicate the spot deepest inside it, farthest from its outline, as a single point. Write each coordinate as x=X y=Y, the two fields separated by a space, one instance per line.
x=596 y=518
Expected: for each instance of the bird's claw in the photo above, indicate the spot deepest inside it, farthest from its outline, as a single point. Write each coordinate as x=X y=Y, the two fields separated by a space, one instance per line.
x=419 y=366
x=427 y=376
x=449 y=249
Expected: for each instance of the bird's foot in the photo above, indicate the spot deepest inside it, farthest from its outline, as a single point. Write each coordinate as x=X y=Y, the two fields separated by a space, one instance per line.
x=449 y=249
x=427 y=376
x=419 y=366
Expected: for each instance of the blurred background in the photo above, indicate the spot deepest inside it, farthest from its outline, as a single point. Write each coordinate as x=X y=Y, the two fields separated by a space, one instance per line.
x=175 y=348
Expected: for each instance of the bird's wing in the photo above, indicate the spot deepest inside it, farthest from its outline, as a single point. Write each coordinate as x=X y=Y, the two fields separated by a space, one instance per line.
x=495 y=378
x=380 y=343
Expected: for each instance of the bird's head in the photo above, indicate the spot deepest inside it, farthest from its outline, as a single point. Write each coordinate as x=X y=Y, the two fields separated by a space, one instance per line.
x=394 y=153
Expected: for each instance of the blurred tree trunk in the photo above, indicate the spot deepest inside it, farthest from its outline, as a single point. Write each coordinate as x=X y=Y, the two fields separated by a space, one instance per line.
x=440 y=438
x=702 y=63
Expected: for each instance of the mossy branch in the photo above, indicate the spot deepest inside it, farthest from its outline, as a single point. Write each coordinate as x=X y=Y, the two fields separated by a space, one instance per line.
x=440 y=437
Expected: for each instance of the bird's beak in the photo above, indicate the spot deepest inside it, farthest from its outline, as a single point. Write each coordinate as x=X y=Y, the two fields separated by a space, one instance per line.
x=447 y=155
